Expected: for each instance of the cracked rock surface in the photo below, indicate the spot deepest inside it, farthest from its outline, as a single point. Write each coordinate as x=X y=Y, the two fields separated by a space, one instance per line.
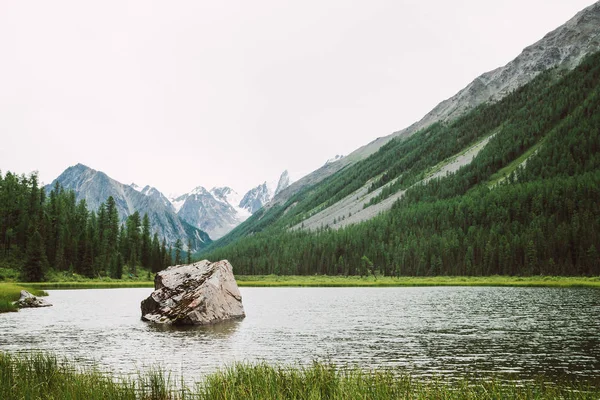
x=201 y=293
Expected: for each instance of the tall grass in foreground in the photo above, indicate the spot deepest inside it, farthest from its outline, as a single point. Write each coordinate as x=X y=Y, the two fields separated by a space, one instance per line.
x=43 y=376
x=10 y=292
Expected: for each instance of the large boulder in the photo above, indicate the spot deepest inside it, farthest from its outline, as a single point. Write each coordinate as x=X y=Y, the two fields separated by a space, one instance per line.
x=195 y=294
x=27 y=300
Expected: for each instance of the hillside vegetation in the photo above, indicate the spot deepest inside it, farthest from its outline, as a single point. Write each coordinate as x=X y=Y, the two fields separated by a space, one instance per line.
x=527 y=204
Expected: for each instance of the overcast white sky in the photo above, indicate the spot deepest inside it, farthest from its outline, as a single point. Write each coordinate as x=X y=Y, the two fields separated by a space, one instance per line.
x=177 y=94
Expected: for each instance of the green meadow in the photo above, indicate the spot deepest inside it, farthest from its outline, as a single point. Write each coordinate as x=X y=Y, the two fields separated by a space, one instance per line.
x=340 y=281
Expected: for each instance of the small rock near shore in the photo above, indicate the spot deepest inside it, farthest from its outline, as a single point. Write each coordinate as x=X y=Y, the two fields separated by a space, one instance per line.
x=27 y=300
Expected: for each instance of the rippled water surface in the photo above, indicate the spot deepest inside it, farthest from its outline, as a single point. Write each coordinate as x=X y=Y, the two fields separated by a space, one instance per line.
x=442 y=330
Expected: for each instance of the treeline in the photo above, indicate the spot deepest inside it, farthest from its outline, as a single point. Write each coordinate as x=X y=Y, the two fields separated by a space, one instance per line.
x=41 y=232
x=542 y=218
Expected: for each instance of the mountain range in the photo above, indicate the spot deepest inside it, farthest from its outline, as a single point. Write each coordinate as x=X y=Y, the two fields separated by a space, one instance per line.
x=463 y=144
x=530 y=122
x=200 y=215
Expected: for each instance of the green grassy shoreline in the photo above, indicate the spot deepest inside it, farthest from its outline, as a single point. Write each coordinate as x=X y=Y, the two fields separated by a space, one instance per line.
x=356 y=281
x=10 y=292
x=350 y=281
x=44 y=376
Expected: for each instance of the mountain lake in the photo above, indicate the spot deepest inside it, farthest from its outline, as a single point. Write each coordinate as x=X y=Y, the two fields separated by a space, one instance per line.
x=425 y=331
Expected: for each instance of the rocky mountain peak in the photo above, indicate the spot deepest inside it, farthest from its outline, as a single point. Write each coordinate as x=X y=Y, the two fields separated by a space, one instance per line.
x=200 y=190
x=214 y=211
x=284 y=182
x=256 y=198
x=228 y=195
x=80 y=167
x=222 y=193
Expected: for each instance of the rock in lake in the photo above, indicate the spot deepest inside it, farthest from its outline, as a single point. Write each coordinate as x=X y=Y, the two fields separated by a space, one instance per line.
x=195 y=294
x=27 y=300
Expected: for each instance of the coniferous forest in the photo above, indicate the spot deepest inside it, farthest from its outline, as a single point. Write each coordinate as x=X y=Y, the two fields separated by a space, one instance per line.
x=42 y=232
x=528 y=204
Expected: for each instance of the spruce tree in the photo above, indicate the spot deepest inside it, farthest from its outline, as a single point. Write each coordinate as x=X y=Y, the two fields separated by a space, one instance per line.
x=189 y=251
x=169 y=257
x=178 y=248
x=35 y=262
x=133 y=241
x=146 y=251
x=156 y=254
x=87 y=264
x=112 y=222
x=165 y=261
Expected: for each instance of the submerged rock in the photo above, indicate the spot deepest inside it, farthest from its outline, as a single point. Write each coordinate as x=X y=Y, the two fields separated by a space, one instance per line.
x=195 y=294
x=27 y=300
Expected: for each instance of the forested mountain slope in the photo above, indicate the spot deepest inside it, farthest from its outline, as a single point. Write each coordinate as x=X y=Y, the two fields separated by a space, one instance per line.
x=564 y=47
x=496 y=214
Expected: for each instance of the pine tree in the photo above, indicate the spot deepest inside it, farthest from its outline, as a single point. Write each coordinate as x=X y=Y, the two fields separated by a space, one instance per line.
x=156 y=254
x=87 y=264
x=114 y=273
x=164 y=259
x=120 y=264
x=189 y=251
x=146 y=251
x=531 y=258
x=112 y=222
x=169 y=257
x=133 y=241
x=178 y=248
x=35 y=263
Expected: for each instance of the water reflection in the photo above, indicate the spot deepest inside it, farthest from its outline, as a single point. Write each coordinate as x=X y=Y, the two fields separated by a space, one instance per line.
x=222 y=329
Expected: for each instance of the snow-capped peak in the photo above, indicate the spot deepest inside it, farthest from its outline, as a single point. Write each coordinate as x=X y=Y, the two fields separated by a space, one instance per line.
x=199 y=190
x=148 y=190
x=178 y=202
x=257 y=197
x=226 y=194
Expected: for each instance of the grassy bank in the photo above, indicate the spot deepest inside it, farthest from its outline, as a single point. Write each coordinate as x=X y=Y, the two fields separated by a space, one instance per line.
x=92 y=284
x=342 y=281
x=43 y=376
x=355 y=281
x=10 y=292
x=68 y=280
